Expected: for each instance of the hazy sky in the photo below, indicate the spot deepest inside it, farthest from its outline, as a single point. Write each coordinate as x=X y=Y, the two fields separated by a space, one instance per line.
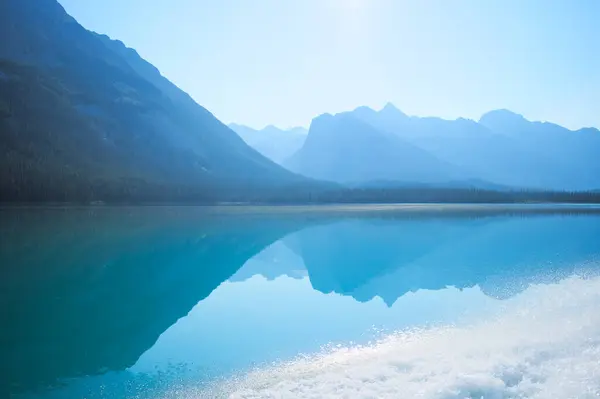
x=283 y=62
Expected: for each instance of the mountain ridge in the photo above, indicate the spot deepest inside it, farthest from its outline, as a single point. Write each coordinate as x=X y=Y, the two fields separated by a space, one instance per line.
x=272 y=142
x=83 y=117
x=503 y=149
x=347 y=149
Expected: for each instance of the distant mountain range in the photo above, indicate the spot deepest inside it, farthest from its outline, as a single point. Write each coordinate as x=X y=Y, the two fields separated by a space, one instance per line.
x=502 y=149
x=84 y=117
x=274 y=143
x=345 y=149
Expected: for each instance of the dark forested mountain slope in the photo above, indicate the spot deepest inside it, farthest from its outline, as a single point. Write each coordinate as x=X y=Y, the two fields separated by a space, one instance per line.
x=82 y=117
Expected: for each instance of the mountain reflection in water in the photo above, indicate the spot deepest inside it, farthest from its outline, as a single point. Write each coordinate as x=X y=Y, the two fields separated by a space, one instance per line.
x=87 y=291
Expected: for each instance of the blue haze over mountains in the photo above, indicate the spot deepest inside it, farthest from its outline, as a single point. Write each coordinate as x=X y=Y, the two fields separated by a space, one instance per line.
x=84 y=117
x=501 y=149
x=274 y=143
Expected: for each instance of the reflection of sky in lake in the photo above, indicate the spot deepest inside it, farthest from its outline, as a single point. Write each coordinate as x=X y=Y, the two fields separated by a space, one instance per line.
x=159 y=306
x=306 y=319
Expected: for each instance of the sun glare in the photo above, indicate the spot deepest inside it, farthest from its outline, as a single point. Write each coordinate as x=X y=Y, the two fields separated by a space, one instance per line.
x=349 y=5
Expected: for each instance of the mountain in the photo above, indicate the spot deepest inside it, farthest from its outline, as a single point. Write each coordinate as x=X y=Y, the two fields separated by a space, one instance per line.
x=502 y=147
x=274 y=261
x=129 y=274
x=384 y=257
x=472 y=146
x=83 y=117
x=574 y=154
x=345 y=149
x=274 y=143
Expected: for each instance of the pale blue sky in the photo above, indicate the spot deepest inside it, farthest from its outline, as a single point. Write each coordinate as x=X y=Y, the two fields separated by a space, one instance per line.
x=283 y=62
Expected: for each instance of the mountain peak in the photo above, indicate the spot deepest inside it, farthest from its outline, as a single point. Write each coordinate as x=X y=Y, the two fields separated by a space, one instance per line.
x=363 y=112
x=331 y=125
x=321 y=118
x=503 y=119
x=588 y=130
x=364 y=108
x=391 y=109
x=504 y=114
x=271 y=129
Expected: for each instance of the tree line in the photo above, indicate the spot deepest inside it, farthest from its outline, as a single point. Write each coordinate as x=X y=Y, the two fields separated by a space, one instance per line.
x=46 y=188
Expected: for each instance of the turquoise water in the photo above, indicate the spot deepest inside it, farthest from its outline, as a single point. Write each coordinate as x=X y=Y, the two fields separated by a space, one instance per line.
x=380 y=301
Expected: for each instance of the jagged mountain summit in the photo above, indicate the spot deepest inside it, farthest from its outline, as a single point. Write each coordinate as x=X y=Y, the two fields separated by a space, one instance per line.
x=83 y=117
x=274 y=143
x=501 y=149
x=346 y=149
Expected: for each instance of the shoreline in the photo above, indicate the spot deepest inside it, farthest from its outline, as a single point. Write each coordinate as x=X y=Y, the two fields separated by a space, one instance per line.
x=343 y=208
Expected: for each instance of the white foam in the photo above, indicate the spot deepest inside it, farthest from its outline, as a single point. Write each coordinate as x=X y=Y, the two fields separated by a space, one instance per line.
x=545 y=344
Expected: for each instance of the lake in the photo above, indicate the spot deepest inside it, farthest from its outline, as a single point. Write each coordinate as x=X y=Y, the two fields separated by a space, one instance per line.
x=382 y=301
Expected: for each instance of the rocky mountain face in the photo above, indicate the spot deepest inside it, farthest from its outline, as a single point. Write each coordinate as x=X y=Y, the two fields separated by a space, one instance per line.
x=83 y=117
x=501 y=149
x=346 y=149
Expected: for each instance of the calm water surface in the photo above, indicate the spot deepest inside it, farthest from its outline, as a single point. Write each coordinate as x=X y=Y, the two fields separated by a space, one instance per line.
x=374 y=302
